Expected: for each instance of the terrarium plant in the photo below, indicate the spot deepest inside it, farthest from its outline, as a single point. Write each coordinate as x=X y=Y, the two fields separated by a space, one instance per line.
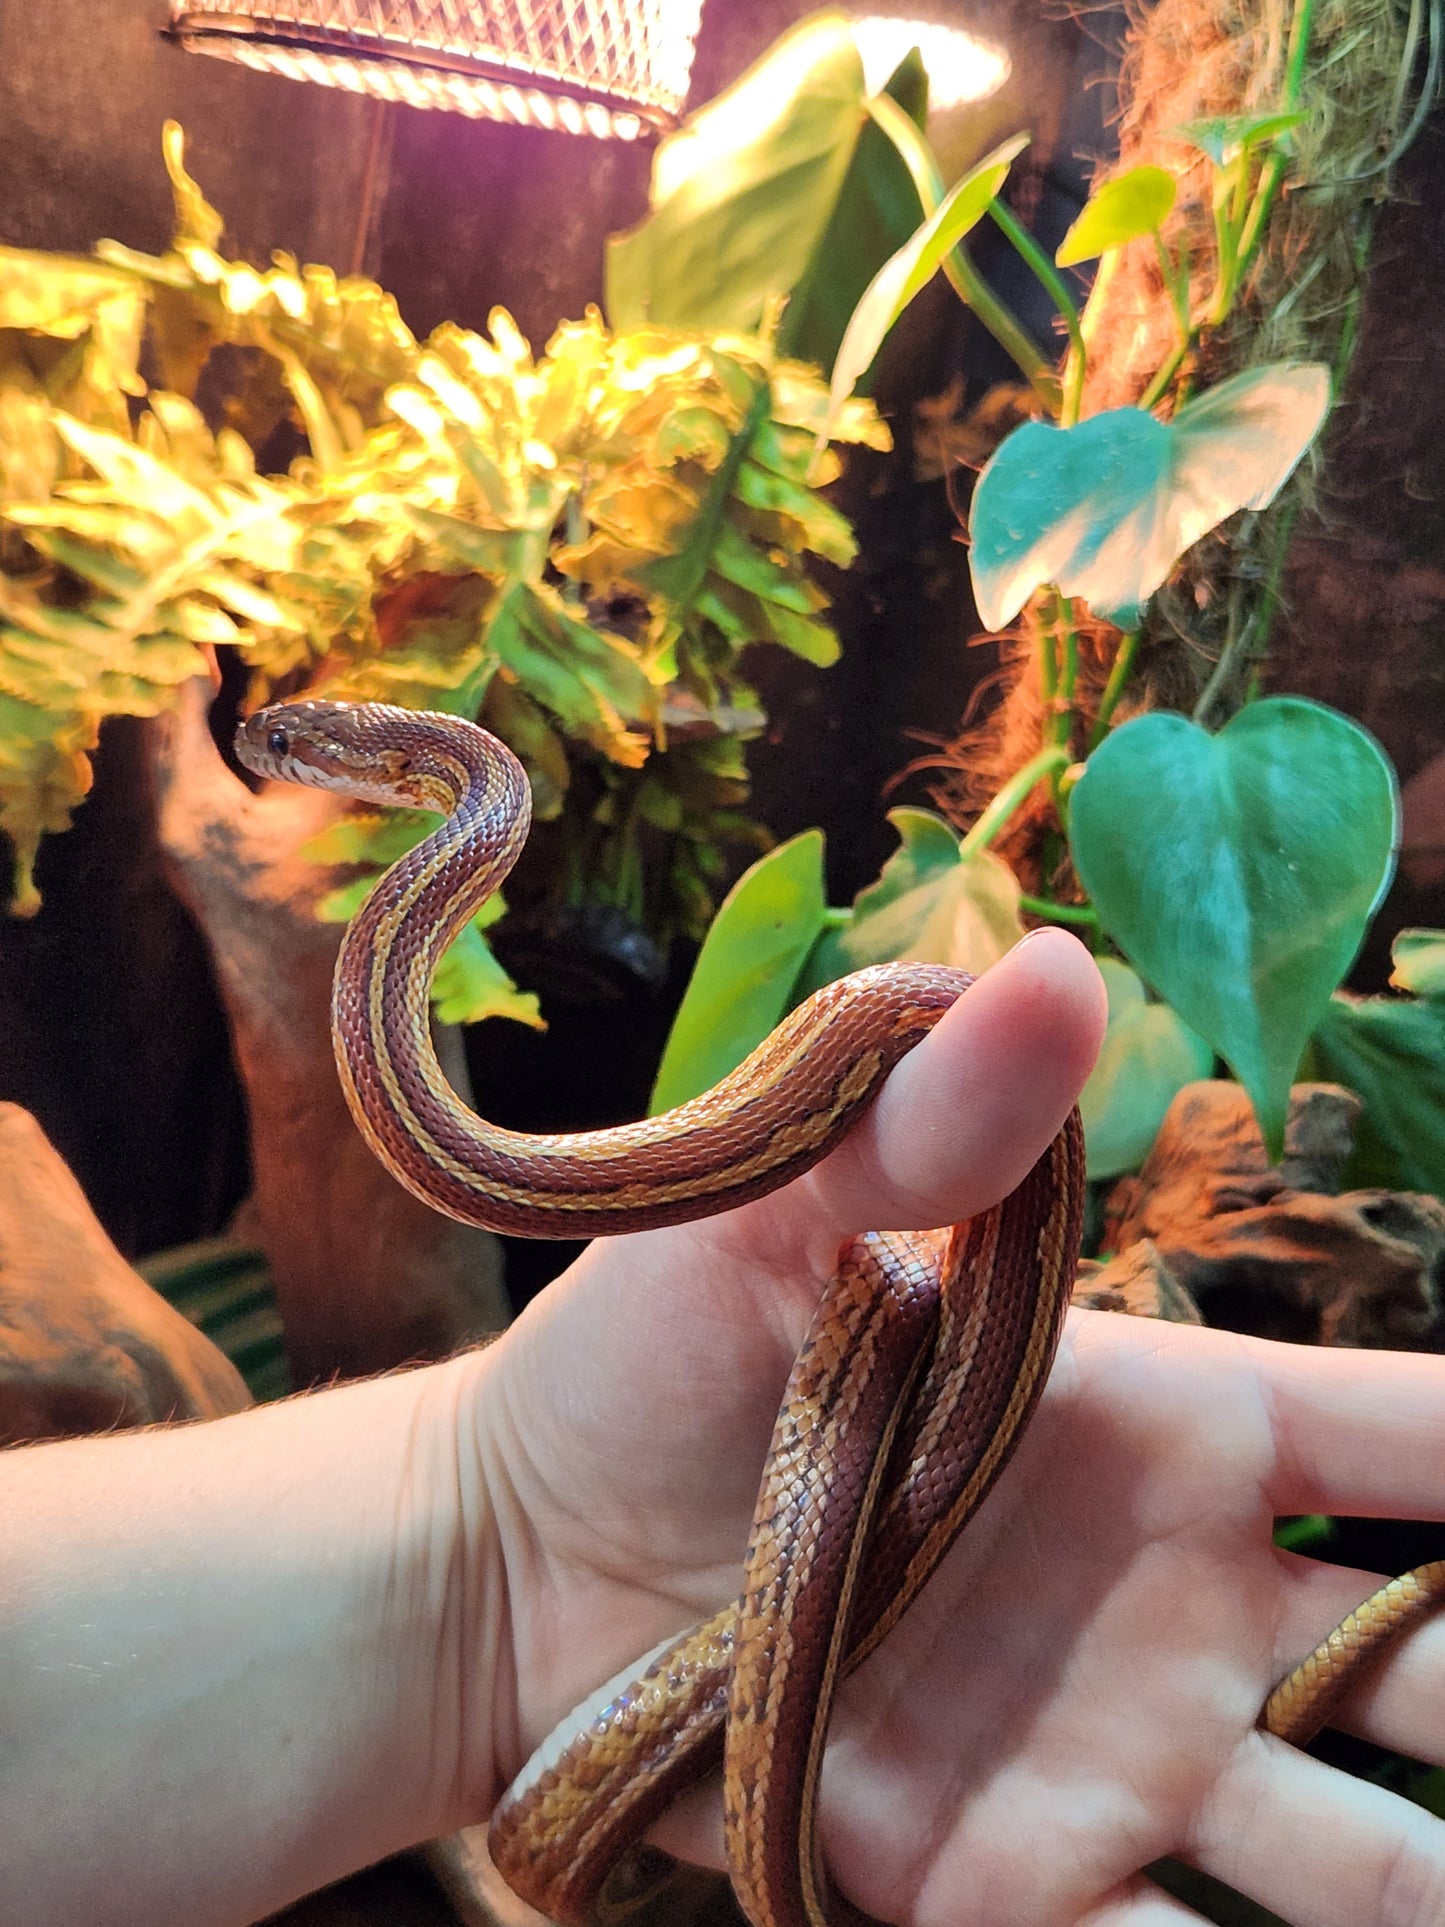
x=1222 y=846
x=205 y=464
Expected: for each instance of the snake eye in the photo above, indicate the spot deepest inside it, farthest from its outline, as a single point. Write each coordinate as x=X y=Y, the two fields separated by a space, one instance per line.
x=278 y=742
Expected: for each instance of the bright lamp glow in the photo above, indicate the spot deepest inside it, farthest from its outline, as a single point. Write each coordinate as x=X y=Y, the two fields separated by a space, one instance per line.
x=960 y=68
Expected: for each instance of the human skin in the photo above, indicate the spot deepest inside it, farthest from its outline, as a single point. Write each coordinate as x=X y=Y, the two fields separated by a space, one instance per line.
x=240 y=1659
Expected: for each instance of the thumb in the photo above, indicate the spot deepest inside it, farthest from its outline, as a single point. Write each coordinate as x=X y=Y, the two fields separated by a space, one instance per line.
x=964 y=1117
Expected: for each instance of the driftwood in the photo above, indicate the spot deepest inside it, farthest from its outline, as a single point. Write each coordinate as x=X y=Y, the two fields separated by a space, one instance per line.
x=1274 y=1251
x=1138 y=1282
x=366 y=1276
x=85 y=1344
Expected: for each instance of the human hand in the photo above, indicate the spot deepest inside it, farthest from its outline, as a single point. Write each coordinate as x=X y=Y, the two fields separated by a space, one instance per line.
x=1076 y=1692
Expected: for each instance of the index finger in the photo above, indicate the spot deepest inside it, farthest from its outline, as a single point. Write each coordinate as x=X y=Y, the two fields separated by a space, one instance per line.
x=1355 y=1432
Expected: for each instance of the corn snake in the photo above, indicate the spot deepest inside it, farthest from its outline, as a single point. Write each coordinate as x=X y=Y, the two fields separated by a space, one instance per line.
x=927 y=1355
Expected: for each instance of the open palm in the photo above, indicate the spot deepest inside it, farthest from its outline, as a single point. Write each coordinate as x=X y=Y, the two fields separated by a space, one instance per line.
x=1076 y=1691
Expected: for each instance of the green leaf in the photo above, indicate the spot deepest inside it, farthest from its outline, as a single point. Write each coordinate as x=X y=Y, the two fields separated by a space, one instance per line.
x=588 y=679
x=813 y=522
x=75 y=300
x=908 y=85
x=1390 y=1051
x=341 y=904
x=1105 y=509
x=929 y=905
x=877 y=209
x=372 y=837
x=1130 y=205
x=196 y=220
x=1238 y=872
x=743 y=193
x=1304 y=1533
x=470 y=985
x=1419 y=960
x=1227 y=136
x=1148 y=1056
x=814 y=641
x=743 y=980
x=912 y=268
x=680 y=575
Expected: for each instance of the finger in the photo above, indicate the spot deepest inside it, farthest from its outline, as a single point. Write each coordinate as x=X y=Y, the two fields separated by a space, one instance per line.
x=1356 y=1433
x=1140 y=1904
x=963 y=1118
x=1400 y=1702
x=1317 y=1846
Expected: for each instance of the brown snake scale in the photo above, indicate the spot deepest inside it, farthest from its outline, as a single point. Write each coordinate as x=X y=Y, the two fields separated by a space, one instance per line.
x=925 y=1359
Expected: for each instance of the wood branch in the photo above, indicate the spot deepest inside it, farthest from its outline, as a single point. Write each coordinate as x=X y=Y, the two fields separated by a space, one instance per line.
x=1273 y=1251
x=85 y=1344
x=366 y=1276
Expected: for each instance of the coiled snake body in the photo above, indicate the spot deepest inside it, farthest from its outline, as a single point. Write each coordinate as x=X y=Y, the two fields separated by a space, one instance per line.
x=924 y=1362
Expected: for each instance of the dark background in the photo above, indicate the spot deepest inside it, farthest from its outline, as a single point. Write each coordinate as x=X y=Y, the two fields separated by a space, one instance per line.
x=110 y=1030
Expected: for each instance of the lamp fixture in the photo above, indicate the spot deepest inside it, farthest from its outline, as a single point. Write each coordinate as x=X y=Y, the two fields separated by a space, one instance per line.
x=614 y=68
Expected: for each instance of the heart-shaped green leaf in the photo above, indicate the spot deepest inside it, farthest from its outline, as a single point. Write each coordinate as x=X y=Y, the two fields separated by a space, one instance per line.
x=742 y=982
x=780 y=187
x=878 y=206
x=742 y=193
x=1147 y=1058
x=929 y=905
x=1105 y=509
x=911 y=269
x=1238 y=872
x=1132 y=204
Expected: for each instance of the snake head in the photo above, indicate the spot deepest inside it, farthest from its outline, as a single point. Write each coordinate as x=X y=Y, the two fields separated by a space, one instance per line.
x=357 y=748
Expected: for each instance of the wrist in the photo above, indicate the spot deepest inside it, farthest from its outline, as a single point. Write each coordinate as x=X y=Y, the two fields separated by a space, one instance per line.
x=269 y=1612
x=455 y=1583
x=482 y=1623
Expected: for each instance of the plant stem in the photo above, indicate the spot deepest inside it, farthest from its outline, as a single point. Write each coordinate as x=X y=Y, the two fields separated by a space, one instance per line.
x=1057 y=289
x=1058 y=679
x=1000 y=320
x=1273 y=172
x=1010 y=799
x=1068 y=647
x=1048 y=671
x=1175 y=275
x=1226 y=243
x=1060 y=912
x=1114 y=688
x=1165 y=374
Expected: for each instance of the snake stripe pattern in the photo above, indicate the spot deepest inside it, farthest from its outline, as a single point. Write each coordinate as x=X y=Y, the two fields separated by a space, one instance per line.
x=925 y=1359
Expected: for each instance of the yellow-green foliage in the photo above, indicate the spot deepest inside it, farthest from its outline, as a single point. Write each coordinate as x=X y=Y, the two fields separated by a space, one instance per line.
x=574 y=547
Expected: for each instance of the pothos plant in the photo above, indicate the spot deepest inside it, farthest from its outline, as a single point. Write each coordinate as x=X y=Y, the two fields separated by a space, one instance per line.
x=1225 y=880
x=575 y=547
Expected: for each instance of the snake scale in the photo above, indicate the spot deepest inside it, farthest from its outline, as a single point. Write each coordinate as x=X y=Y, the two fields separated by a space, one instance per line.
x=925 y=1359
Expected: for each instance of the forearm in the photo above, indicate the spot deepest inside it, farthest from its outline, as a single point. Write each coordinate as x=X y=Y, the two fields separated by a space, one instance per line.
x=236 y=1659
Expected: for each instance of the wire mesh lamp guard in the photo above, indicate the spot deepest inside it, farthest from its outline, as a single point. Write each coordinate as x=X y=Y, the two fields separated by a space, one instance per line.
x=607 y=67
